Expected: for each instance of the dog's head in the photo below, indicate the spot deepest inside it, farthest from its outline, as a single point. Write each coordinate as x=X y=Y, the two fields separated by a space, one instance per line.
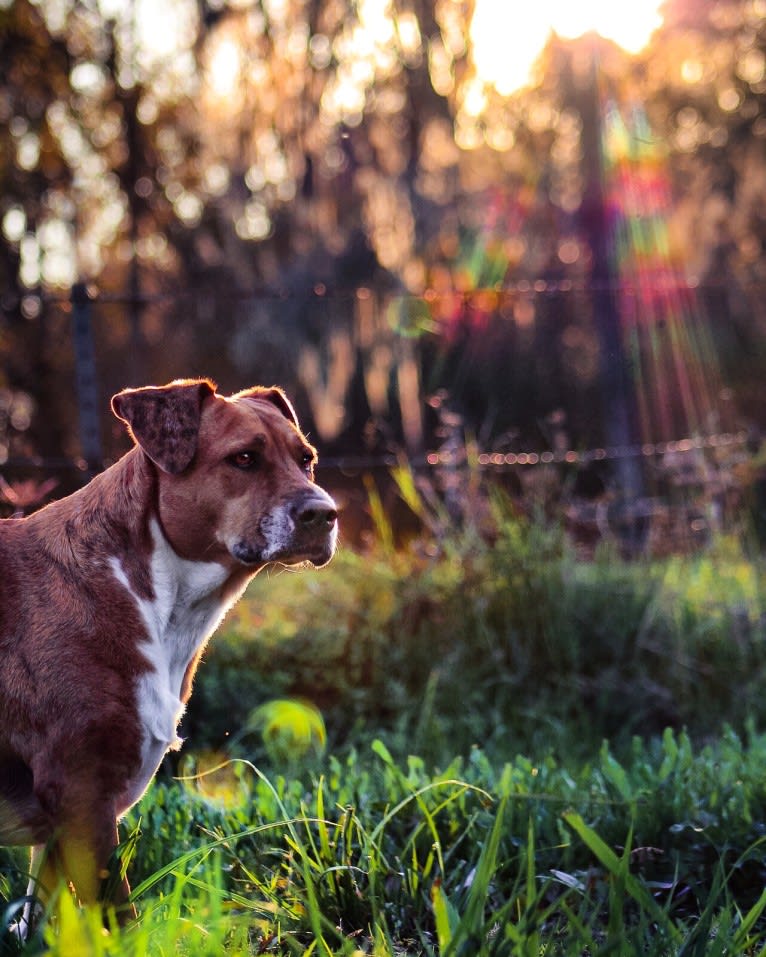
x=235 y=474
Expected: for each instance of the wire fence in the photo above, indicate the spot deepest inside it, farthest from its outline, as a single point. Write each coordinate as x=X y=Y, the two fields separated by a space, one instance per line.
x=705 y=462
x=660 y=281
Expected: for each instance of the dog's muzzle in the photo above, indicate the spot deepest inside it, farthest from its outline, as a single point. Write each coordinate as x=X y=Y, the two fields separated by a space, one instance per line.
x=304 y=529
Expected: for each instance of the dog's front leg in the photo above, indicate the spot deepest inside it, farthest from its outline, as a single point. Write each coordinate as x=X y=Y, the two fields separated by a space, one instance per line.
x=78 y=859
x=84 y=849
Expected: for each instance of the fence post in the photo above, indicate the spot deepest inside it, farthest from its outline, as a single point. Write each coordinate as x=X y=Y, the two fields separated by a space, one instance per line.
x=615 y=373
x=85 y=375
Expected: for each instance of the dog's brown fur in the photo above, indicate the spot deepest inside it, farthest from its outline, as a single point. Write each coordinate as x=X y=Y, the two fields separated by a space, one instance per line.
x=100 y=627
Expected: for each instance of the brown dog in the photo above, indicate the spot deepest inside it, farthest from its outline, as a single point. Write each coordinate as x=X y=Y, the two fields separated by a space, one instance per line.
x=108 y=597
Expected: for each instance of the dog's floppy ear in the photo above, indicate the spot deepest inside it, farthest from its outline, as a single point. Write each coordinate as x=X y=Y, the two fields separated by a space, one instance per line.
x=164 y=420
x=274 y=395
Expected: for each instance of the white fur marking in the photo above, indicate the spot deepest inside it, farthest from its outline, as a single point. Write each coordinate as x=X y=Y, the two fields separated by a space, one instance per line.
x=278 y=528
x=185 y=611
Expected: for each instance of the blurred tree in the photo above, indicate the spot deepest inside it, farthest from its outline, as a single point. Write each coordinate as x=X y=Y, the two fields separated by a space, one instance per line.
x=705 y=79
x=35 y=225
x=332 y=194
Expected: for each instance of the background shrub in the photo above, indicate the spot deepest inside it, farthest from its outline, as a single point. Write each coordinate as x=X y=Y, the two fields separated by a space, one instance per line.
x=509 y=642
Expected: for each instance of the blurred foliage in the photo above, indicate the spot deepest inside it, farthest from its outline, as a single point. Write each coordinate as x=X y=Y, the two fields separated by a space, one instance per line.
x=502 y=639
x=272 y=123
x=290 y=191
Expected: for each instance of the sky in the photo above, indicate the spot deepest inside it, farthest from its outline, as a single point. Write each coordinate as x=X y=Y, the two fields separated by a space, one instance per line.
x=508 y=36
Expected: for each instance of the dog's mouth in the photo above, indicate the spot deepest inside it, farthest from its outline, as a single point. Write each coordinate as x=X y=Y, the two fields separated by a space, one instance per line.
x=317 y=556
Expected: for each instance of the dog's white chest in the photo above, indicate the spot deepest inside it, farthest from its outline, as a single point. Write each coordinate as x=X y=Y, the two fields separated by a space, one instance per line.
x=186 y=608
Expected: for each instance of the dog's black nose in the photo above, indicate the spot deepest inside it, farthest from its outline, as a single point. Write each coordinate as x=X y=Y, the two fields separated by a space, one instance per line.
x=315 y=514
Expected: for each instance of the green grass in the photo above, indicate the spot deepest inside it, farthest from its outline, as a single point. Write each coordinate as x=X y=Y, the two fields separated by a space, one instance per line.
x=660 y=854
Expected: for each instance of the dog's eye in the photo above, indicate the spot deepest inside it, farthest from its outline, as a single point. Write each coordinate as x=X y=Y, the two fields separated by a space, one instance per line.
x=244 y=460
x=307 y=461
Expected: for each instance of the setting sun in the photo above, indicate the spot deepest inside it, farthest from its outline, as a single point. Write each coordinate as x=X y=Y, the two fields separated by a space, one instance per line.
x=507 y=40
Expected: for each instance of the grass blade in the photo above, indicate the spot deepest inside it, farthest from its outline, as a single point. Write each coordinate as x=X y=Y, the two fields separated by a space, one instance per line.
x=614 y=866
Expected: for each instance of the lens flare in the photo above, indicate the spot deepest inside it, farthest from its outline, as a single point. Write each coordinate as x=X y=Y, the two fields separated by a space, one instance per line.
x=664 y=328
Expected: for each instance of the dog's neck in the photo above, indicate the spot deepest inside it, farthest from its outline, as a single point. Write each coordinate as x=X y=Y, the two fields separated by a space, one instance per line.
x=109 y=515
